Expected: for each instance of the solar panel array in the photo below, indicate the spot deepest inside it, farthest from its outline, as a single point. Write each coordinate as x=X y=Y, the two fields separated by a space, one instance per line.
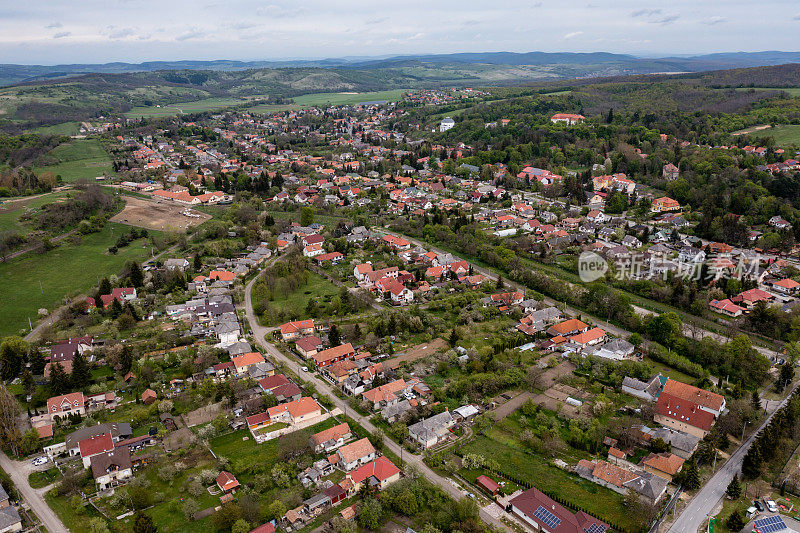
x=595 y=528
x=771 y=524
x=549 y=519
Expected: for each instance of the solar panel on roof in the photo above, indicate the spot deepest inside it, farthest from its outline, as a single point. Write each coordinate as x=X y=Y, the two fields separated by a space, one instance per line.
x=547 y=517
x=595 y=528
x=771 y=524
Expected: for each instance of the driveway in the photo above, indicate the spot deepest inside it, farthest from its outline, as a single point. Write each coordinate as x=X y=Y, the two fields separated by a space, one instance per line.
x=18 y=472
x=260 y=337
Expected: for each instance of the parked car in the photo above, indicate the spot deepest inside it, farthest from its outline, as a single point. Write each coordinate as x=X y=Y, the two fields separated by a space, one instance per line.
x=40 y=460
x=772 y=507
x=758 y=506
x=304 y=368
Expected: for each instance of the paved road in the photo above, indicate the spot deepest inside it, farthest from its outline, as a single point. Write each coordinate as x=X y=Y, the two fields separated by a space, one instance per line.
x=695 y=514
x=261 y=334
x=18 y=471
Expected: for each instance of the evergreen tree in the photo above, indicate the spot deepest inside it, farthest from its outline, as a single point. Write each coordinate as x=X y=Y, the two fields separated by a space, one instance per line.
x=12 y=354
x=198 y=262
x=59 y=380
x=333 y=335
x=136 y=275
x=81 y=374
x=500 y=283
x=734 y=489
x=126 y=359
x=689 y=477
x=453 y=338
x=104 y=288
x=37 y=363
x=143 y=524
x=753 y=461
x=755 y=400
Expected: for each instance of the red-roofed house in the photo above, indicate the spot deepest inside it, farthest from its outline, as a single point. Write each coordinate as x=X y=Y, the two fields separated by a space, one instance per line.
x=683 y=415
x=65 y=405
x=726 y=307
x=297 y=328
x=246 y=360
x=379 y=473
x=227 y=482
x=94 y=446
x=331 y=355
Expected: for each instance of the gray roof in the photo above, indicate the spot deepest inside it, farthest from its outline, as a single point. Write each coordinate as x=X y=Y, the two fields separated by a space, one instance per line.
x=648 y=485
x=9 y=516
x=117 y=430
x=433 y=427
x=395 y=410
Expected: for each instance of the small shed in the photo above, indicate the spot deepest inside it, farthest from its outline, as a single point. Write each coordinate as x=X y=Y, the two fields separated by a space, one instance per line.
x=488 y=484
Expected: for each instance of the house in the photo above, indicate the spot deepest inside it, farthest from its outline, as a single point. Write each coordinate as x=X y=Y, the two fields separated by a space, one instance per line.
x=111 y=468
x=117 y=430
x=544 y=515
x=708 y=401
x=397 y=243
x=664 y=465
x=296 y=411
x=242 y=363
x=93 y=446
x=663 y=204
x=644 y=484
x=269 y=383
x=149 y=396
x=616 y=349
x=726 y=307
x=446 y=124
x=332 y=355
x=176 y=264
x=399 y=294
x=646 y=390
x=681 y=444
x=596 y=216
x=330 y=439
x=379 y=473
x=670 y=172
x=313 y=250
x=10 y=521
x=297 y=328
x=589 y=337
x=385 y=394
x=689 y=254
x=682 y=415
x=355 y=454
x=432 y=430
x=65 y=405
x=786 y=286
x=751 y=297
x=287 y=393
x=227 y=482
x=573 y=326
x=567 y=118
x=308 y=346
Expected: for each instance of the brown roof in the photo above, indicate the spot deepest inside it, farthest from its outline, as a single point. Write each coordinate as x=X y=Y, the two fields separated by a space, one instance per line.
x=331 y=433
x=704 y=398
x=333 y=353
x=612 y=473
x=356 y=450
x=116 y=459
x=665 y=462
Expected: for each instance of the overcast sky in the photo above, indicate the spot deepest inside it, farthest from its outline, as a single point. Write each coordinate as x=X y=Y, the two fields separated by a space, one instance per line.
x=93 y=31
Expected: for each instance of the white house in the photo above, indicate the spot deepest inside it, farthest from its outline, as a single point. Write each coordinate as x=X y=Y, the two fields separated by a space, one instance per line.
x=446 y=124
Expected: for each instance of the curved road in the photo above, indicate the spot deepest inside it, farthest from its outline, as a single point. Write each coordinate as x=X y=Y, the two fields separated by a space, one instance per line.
x=18 y=472
x=260 y=335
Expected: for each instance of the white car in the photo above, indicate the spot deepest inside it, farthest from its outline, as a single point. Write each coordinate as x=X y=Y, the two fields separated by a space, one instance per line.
x=40 y=460
x=771 y=506
x=304 y=368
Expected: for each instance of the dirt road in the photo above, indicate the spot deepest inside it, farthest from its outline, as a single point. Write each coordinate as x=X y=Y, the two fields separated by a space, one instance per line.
x=18 y=471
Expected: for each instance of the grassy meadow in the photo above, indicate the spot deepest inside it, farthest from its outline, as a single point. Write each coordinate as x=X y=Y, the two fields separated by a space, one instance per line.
x=79 y=159
x=67 y=270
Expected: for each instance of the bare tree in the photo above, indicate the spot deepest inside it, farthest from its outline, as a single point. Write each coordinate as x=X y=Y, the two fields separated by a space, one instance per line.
x=9 y=411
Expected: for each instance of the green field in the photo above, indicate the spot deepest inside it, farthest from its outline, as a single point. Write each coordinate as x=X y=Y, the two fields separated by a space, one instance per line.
x=784 y=134
x=10 y=211
x=793 y=91
x=294 y=303
x=65 y=128
x=79 y=159
x=601 y=502
x=196 y=106
x=66 y=270
x=316 y=99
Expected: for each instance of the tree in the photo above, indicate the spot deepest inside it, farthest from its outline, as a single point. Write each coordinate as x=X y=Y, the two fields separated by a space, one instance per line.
x=306 y=215
x=104 y=288
x=276 y=510
x=499 y=284
x=659 y=445
x=333 y=335
x=198 y=262
x=734 y=490
x=81 y=374
x=135 y=274
x=755 y=401
x=190 y=508
x=225 y=518
x=59 y=380
x=786 y=376
x=98 y=525
x=689 y=477
x=240 y=526
x=12 y=355
x=453 y=338
x=370 y=513
x=736 y=521
x=9 y=432
x=143 y=524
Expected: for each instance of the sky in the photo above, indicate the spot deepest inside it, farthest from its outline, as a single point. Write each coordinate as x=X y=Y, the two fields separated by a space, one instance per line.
x=98 y=31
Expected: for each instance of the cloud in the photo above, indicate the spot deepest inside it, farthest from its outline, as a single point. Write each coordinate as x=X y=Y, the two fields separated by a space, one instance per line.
x=54 y=25
x=113 y=32
x=645 y=12
x=667 y=19
x=537 y=4
x=796 y=17
x=276 y=11
x=62 y=34
x=573 y=34
x=193 y=33
x=715 y=20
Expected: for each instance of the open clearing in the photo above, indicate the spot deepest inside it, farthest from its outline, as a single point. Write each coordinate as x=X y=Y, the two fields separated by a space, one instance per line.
x=793 y=91
x=419 y=351
x=785 y=134
x=348 y=98
x=67 y=270
x=79 y=159
x=12 y=210
x=196 y=106
x=157 y=215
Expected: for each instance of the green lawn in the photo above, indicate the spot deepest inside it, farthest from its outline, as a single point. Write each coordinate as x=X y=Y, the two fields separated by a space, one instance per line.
x=793 y=91
x=784 y=134
x=601 y=502
x=12 y=210
x=65 y=128
x=75 y=522
x=43 y=478
x=294 y=303
x=196 y=106
x=66 y=270
x=79 y=159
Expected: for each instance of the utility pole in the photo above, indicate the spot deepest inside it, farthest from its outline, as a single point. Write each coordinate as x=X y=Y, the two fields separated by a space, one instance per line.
x=744 y=426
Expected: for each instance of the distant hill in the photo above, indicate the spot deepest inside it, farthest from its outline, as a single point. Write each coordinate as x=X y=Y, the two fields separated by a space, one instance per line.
x=562 y=64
